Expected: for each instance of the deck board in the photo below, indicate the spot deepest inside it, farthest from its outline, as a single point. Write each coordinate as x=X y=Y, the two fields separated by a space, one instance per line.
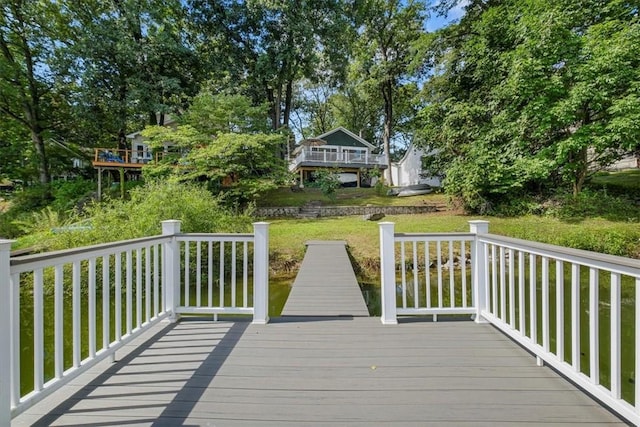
x=320 y=371
x=326 y=284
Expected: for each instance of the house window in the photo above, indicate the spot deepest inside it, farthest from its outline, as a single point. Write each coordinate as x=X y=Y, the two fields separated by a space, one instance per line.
x=325 y=154
x=354 y=154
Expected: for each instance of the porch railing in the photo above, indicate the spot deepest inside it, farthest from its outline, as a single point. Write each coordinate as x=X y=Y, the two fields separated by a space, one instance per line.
x=542 y=296
x=133 y=157
x=344 y=157
x=117 y=291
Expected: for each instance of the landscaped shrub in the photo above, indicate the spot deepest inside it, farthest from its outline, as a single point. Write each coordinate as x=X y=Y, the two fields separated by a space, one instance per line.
x=593 y=204
x=328 y=181
x=67 y=194
x=117 y=219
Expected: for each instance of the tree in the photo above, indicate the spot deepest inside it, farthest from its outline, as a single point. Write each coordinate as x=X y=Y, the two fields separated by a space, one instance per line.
x=225 y=145
x=527 y=94
x=25 y=81
x=312 y=109
x=269 y=46
x=131 y=64
x=358 y=110
x=387 y=30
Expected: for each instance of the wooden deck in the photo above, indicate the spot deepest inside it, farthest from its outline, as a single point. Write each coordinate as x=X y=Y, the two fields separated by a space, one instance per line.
x=320 y=371
x=345 y=369
x=326 y=284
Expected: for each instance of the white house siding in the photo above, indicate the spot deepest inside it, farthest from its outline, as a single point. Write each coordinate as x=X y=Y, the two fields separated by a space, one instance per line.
x=409 y=169
x=630 y=162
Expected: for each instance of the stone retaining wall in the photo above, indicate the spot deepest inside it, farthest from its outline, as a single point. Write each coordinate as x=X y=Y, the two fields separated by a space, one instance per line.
x=324 y=211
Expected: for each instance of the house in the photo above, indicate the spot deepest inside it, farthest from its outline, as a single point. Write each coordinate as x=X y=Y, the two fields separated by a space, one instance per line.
x=340 y=149
x=140 y=151
x=409 y=171
x=125 y=161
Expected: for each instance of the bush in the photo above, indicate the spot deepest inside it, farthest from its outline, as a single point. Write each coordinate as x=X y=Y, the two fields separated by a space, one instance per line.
x=117 y=219
x=612 y=242
x=512 y=207
x=67 y=194
x=30 y=199
x=591 y=204
x=328 y=181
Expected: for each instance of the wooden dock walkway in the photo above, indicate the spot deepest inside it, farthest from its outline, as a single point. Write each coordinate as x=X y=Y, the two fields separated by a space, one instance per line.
x=305 y=371
x=326 y=284
x=325 y=362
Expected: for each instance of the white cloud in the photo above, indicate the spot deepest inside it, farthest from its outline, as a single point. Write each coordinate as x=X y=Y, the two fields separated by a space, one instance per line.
x=436 y=22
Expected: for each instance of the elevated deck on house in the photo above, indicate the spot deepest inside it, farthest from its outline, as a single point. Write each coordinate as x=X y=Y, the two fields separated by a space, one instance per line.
x=323 y=363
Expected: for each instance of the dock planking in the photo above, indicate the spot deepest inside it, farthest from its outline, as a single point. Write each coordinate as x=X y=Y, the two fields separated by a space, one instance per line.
x=320 y=371
x=326 y=284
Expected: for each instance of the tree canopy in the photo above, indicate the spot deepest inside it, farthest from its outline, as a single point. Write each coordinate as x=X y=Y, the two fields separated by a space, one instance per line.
x=514 y=97
x=221 y=140
x=531 y=94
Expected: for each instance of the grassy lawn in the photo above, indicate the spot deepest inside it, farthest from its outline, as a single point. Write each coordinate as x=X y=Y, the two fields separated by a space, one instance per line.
x=629 y=179
x=345 y=197
x=287 y=236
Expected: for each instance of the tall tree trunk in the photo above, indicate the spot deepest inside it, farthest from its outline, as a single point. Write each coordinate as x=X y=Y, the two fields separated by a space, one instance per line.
x=122 y=113
x=387 y=94
x=288 y=99
x=43 y=163
x=277 y=111
x=272 y=107
x=581 y=160
x=581 y=171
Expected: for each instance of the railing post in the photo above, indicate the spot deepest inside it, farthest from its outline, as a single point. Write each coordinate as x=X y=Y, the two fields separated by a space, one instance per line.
x=479 y=275
x=5 y=332
x=261 y=273
x=171 y=263
x=388 y=273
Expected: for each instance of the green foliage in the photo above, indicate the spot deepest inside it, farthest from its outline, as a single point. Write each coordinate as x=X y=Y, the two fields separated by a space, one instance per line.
x=529 y=95
x=30 y=199
x=387 y=31
x=223 y=143
x=269 y=45
x=328 y=181
x=622 y=183
x=118 y=219
x=31 y=212
x=593 y=204
x=41 y=223
x=67 y=194
x=223 y=113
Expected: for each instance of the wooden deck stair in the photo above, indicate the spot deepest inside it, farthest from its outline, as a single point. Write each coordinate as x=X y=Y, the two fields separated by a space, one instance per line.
x=326 y=284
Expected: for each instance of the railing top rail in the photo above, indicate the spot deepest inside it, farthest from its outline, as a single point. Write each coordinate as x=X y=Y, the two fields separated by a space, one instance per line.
x=215 y=236
x=625 y=265
x=434 y=236
x=27 y=262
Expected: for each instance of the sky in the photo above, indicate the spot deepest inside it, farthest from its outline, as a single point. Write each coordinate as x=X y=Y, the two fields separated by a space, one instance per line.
x=436 y=22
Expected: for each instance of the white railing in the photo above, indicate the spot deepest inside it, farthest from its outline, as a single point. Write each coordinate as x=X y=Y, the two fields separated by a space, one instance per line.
x=115 y=292
x=347 y=157
x=522 y=288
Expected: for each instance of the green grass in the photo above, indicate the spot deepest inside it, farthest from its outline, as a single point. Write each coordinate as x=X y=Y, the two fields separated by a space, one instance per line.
x=287 y=236
x=345 y=196
x=627 y=178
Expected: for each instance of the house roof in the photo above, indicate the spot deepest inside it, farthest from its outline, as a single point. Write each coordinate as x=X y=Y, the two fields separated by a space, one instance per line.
x=341 y=136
